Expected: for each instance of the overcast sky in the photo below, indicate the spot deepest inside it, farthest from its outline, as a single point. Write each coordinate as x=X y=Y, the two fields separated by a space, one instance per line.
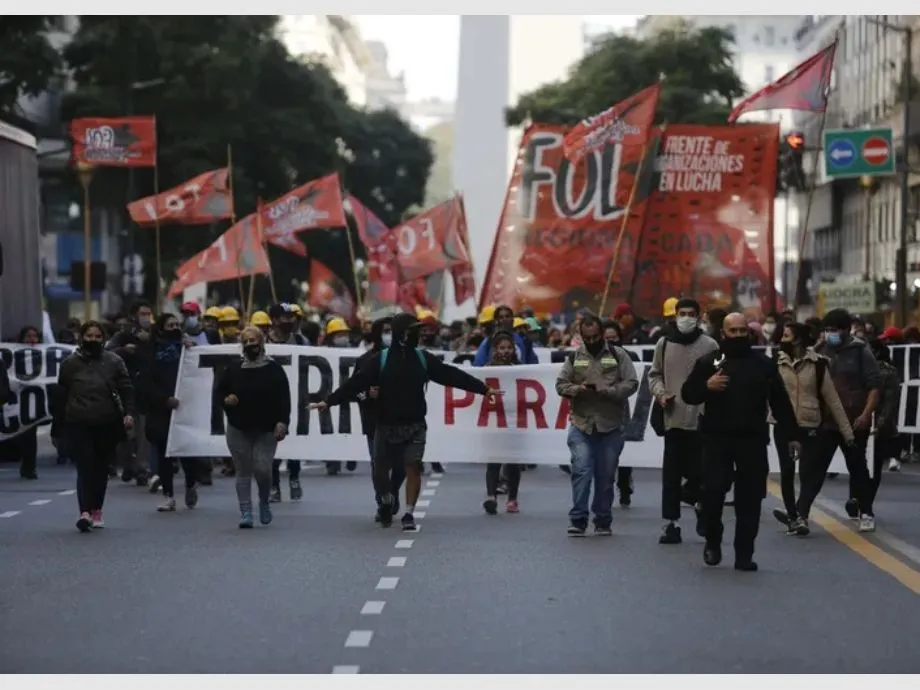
x=426 y=47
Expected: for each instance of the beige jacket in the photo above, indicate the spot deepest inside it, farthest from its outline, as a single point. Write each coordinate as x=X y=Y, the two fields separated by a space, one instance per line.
x=606 y=408
x=801 y=381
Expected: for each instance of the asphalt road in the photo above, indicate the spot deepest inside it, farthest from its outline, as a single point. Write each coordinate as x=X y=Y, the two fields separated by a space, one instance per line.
x=325 y=590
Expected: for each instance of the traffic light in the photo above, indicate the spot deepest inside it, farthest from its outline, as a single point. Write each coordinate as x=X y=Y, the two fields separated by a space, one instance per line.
x=790 y=170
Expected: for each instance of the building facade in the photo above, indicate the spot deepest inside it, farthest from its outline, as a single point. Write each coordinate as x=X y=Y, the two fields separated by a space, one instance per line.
x=854 y=233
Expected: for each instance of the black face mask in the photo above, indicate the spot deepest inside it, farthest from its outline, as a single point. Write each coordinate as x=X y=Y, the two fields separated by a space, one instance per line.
x=594 y=346
x=173 y=335
x=252 y=352
x=736 y=347
x=93 y=348
x=286 y=327
x=613 y=343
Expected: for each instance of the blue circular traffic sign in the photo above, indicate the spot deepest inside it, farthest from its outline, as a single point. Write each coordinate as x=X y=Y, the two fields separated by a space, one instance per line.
x=841 y=152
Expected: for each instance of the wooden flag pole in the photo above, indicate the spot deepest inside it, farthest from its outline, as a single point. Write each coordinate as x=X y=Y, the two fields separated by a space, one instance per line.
x=623 y=225
x=804 y=232
x=239 y=278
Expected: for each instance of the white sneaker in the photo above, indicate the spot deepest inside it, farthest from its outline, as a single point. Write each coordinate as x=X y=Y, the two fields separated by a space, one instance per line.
x=866 y=523
x=894 y=465
x=168 y=506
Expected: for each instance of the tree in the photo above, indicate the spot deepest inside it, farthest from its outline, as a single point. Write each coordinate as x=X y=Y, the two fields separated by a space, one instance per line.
x=699 y=81
x=28 y=61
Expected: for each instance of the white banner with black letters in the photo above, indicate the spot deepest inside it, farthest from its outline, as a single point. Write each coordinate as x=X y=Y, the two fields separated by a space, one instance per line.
x=31 y=370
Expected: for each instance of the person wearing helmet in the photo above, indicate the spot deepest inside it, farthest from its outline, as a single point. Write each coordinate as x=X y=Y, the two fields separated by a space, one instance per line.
x=401 y=374
x=504 y=320
x=487 y=319
x=428 y=333
x=338 y=334
x=210 y=323
x=284 y=326
x=191 y=323
x=262 y=321
x=229 y=323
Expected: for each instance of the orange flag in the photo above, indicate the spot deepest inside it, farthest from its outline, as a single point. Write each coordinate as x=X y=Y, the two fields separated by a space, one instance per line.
x=316 y=204
x=328 y=291
x=628 y=123
x=124 y=142
x=201 y=200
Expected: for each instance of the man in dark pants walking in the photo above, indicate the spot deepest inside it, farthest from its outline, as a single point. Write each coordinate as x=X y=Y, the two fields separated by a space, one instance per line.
x=736 y=384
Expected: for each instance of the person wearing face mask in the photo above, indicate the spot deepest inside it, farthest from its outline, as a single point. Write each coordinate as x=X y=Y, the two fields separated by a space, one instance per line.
x=599 y=381
x=229 y=324
x=503 y=355
x=681 y=346
x=770 y=329
x=813 y=396
x=472 y=342
x=262 y=321
x=858 y=382
x=210 y=324
x=401 y=374
x=191 y=323
x=428 y=334
x=736 y=384
x=629 y=326
x=157 y=384
x=338 y=335
x=504 y=320
x=256 y=396
x=94 y=398
x=284 y=326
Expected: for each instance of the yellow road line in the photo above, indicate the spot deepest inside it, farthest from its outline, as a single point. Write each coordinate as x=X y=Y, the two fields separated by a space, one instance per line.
x=881 y=559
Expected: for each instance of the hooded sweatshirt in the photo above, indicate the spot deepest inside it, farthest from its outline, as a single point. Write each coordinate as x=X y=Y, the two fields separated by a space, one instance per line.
x=95 y=390
x=366 y=404
x=855 y=373
x=402 y=383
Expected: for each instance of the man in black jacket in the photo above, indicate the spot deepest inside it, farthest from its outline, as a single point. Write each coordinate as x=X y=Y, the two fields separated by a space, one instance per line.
x=736 y=384
x=400 y=373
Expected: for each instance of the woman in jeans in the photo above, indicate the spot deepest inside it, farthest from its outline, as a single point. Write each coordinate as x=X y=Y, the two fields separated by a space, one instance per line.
x=812 y=393
x=157 y=382
x=257 y=399
x=96 y=403
x=503 y=354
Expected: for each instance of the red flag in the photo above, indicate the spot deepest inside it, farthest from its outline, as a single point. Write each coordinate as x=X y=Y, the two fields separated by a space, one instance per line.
x=431 y=241
x=382 y=265
x=628 y=123
x=316 y=204
x=238 y=252
x=286 y=239
x=330 y=292
x=123 y=142
x=463 y=276
x=803 y=88
x=201 y=200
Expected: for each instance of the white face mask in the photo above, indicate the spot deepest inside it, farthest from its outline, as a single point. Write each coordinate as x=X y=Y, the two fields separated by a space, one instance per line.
x=341 y=341
x=386 y=339
x=686 y=324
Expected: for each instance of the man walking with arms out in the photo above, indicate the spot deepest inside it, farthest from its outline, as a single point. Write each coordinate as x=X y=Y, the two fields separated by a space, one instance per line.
x=598 y=381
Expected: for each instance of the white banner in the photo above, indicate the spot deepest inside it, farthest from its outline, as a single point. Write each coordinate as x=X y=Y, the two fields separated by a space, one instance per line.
x=31 y=369
x=527 y=425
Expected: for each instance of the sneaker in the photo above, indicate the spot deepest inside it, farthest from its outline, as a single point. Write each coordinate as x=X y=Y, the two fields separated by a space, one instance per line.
x=501 y=489
x=127 y=476
x=98 y=522
x=386 y=511
x=781 y=516
x=155 y=484
x=670 y=534
x=866 y=523
x=602 y=531
x=894 y=465
x=577 y=529
x=746 y=566
x=246 y=520
x=792 y=527
x=512 y=507
x=85 y=523
x=275 y=495
x=712 y=554
x=801 y=528
x=408 y=523
x=626 y=493
x=296 y=490
x=28 y=474
x=437 y=468
x=852 y=508
x=490 y=505
x=265 y=513
x=191 y=497
x=168 y=506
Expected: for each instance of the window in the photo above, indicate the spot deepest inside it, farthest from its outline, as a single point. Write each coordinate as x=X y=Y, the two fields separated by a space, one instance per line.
x=769 y=36
x=768 y=74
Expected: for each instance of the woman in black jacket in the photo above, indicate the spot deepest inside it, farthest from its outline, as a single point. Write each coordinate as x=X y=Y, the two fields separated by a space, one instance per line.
x=157 y=383
x=256 y=396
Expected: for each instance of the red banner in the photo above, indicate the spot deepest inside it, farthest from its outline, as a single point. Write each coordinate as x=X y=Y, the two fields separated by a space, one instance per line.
x=560 y=222
x=238 y=252
x=202 y=200
x=126 y=142
x=463 y=275
x=432 y=241
x=316 y=204
x=328 y=291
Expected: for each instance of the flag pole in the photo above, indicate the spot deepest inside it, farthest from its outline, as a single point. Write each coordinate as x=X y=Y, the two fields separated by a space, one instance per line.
x=354 y=268
x=239 y=278
x=619 y=244
x=271 y=274
x=804 y=232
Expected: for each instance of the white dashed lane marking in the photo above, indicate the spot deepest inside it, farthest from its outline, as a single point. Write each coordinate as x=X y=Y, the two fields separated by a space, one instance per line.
x=346 y=669
x=397 y=562
x=405 y=543
x=40 y=502
x=422 y=503
x=387 y=583
x=433 y=484
x=9 y=514
x=429 y=492
x=359 y=638
x=373 y=608
x=68 y=492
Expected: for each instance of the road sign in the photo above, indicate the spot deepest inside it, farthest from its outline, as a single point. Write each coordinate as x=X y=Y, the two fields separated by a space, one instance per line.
x=856 y=298
x=858 y=152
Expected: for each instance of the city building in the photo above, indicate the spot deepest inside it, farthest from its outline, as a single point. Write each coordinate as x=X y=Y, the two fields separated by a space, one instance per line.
x=852 y=234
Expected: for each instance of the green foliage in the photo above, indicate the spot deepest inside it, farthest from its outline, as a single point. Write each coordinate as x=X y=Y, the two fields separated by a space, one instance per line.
x=28 y=61
x=228 y=80
x=699 y=81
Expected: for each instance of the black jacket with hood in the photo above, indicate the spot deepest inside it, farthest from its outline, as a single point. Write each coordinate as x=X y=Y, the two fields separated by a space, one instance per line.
x=366 y=404
x=402 y=383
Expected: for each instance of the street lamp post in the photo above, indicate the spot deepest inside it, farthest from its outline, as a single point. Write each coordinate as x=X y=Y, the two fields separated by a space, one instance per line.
x=85 y=174
x=906 y=96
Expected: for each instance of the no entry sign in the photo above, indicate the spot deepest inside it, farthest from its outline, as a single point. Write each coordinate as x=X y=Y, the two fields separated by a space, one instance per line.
x=875 y=151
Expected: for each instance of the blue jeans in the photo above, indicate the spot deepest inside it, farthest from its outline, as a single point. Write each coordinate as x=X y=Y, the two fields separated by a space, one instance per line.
x=594 y=457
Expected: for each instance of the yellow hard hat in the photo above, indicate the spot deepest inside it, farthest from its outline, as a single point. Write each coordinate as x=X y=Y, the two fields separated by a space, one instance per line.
x=670 y=307
x=260 y=318
x=213 y=313
x=336 y=326
x=518 y=322
x=228 y=314
x=487 y=315
x=296 y=309
x=425 y=315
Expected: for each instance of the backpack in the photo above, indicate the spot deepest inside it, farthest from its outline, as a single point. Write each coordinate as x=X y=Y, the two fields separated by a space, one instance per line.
x=384 y=353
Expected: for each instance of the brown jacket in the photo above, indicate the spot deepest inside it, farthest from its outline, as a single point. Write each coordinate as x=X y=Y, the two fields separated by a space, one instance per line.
x=606 y=408
x=801 y=381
